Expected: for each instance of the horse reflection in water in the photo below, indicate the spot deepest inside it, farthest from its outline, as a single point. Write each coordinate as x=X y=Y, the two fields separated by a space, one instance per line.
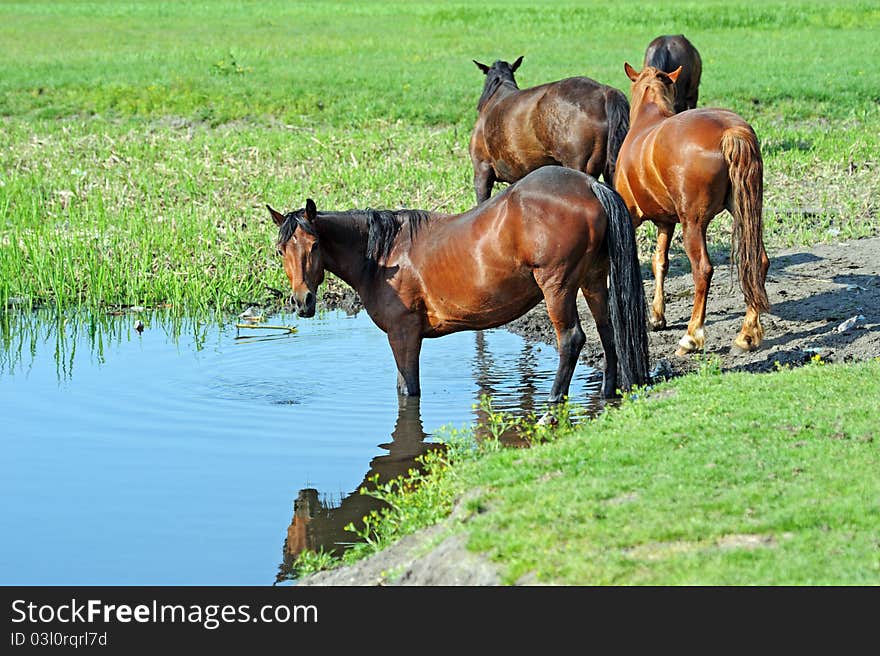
x=318 y=524
x=527 y=404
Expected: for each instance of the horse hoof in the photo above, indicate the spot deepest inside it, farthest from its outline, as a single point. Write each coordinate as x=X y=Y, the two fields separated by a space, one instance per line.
x=687 y=345
x=741 y=347
x=657 y=324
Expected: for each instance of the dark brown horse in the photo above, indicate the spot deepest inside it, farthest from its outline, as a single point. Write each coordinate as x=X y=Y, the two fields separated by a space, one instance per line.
x=422 y=274
x=685 y=168
x=575 y=122
x=671 y=52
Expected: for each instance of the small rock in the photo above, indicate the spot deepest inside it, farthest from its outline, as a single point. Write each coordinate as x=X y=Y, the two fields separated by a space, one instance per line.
x=850 y=323
x=549 y=419
x=251 y=314
x=663 y=370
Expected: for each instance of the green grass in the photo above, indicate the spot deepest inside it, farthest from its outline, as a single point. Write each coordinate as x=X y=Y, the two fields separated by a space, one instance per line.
x=713 y=479
x=140 y=141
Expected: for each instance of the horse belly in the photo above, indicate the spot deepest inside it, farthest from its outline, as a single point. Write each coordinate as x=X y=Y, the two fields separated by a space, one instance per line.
x=479 y=302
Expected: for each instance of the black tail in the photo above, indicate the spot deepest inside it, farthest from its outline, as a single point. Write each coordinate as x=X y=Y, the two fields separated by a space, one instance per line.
x=626 y=295
x=617 y=117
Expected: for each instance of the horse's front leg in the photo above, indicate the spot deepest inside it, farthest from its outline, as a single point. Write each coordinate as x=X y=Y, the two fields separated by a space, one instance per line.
x=562 y=310
x=406 y=344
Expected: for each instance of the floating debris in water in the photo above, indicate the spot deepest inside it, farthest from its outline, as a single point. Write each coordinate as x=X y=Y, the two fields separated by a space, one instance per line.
x=252 y=314
x=285 y=330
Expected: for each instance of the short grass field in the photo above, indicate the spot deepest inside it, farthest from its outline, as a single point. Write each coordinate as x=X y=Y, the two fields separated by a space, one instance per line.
x=140 y=142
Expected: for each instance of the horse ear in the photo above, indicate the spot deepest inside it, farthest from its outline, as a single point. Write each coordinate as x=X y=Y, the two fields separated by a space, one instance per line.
x=482 y=67
x=311 y=210
x=516 y=64
x=674 y=74
x=631 y=73
x=277 y=217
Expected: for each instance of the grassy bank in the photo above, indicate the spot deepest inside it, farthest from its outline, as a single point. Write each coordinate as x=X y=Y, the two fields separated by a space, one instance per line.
x=712 y=479
x=139 y=141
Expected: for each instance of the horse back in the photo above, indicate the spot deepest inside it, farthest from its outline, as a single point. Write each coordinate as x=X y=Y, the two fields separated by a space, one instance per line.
x=668 y=53
x=571 y=108
x=554 y=123
x=482 y=263
x=676 y=158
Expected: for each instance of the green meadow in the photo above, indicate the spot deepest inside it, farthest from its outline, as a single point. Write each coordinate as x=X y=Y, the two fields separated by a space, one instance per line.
x=140 y=141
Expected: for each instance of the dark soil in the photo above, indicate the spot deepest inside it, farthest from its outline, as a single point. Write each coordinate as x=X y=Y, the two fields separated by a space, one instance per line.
x=812 y=292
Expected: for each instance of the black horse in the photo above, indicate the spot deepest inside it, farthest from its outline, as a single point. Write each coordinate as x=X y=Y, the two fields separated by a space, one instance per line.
x=668 y=53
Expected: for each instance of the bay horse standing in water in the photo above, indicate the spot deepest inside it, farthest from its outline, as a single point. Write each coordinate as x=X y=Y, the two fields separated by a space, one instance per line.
x=671 y=52
x=422 y=275
x=685 y=168
x=576 y=122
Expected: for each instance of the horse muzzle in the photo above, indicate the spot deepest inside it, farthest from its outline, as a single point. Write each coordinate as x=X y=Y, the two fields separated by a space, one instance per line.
x=305 y=306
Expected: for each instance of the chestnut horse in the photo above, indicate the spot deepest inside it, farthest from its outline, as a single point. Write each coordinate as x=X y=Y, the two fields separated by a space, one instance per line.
x=422 y=274
x=685 y=168
x=670 y=52
x=575 y=122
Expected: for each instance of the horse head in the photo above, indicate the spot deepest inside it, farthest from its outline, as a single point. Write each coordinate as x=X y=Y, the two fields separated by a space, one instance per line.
x=497 y=74
x=299 y=246
x=652 y=85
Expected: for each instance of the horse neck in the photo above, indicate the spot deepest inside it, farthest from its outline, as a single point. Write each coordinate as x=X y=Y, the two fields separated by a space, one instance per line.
x=646 y=112
x=501 y=89
x=343 y=246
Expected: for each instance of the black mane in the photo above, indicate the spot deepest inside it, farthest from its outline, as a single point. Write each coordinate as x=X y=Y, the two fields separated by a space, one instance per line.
x=382 y=229
x=499 y=74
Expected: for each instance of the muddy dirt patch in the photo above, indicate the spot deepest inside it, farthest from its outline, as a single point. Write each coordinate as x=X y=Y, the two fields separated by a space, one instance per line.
x=812 y=292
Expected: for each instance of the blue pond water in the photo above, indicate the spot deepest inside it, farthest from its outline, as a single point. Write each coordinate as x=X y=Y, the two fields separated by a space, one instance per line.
x=174 y=457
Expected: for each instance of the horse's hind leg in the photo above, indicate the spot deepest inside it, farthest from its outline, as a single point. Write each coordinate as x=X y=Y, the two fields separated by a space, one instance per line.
x=595 y=290
x=591 y=162
x=562 y=309
x=660 y=267
x=752 y=333
x=484 y=180
x=701 y=268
